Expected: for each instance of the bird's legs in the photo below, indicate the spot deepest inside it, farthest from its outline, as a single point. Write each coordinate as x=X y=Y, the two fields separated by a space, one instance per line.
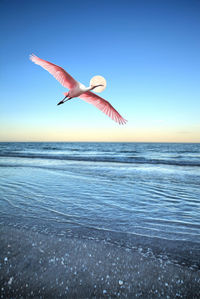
x=64 y=100
x=67 y=100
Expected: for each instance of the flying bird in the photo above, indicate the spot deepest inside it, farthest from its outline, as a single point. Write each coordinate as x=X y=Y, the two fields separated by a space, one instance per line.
x=77 y=89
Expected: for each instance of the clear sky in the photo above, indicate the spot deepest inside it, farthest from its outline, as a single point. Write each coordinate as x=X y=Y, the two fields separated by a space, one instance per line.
x=148 y=51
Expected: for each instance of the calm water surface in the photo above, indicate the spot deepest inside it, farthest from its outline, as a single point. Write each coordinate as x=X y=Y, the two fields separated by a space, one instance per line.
x=127 y=189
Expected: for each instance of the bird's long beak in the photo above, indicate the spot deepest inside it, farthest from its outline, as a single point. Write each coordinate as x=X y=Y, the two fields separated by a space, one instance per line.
x=96 y=86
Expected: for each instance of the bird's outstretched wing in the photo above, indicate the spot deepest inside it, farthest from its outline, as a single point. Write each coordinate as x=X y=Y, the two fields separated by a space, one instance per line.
x=59 y=73
x=103 y=105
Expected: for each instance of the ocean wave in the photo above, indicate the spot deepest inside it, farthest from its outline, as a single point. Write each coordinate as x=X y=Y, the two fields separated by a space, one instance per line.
x=101 y=158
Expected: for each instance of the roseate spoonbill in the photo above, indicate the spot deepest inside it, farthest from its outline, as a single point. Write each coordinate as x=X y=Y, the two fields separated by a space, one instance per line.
x=76 y=89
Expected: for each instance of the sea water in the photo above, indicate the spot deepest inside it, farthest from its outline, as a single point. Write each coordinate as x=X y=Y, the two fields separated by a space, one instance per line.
x=137 y=195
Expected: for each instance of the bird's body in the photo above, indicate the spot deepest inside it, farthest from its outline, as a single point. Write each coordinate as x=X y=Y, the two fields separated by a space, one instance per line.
x=77 y=89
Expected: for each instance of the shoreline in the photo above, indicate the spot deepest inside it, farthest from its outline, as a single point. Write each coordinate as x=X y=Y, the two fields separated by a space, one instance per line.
x=35 y=265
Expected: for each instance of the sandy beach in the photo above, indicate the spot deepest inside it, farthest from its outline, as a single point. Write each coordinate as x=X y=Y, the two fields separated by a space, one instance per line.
x=35 y=265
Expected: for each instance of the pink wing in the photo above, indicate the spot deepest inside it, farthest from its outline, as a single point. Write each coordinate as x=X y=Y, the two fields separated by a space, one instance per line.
x=103 y=105
x=59 y=73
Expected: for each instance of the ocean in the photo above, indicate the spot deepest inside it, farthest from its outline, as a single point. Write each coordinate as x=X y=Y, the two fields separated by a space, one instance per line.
x=136 y=195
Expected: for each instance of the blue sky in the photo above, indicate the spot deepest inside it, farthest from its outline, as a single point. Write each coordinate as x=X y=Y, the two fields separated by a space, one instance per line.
x=148 y=51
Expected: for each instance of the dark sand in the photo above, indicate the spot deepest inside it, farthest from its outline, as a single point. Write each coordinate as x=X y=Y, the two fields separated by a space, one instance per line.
x=34 y=265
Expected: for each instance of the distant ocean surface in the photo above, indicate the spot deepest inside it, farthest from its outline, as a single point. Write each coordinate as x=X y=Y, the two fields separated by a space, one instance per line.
x=127 y=193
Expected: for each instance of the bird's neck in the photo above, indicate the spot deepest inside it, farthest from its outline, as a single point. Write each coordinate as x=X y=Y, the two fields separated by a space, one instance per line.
x=89 y=88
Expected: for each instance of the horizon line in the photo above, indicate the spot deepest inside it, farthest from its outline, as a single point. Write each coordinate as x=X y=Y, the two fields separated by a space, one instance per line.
x=50 y=141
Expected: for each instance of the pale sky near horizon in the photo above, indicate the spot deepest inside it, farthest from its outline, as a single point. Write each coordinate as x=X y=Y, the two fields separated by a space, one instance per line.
x=148 y=51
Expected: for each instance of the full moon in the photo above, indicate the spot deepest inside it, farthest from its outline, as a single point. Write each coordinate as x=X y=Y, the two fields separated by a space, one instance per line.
x=98 y=80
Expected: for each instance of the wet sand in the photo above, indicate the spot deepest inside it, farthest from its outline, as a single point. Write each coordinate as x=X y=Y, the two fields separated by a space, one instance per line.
x=34 y=265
